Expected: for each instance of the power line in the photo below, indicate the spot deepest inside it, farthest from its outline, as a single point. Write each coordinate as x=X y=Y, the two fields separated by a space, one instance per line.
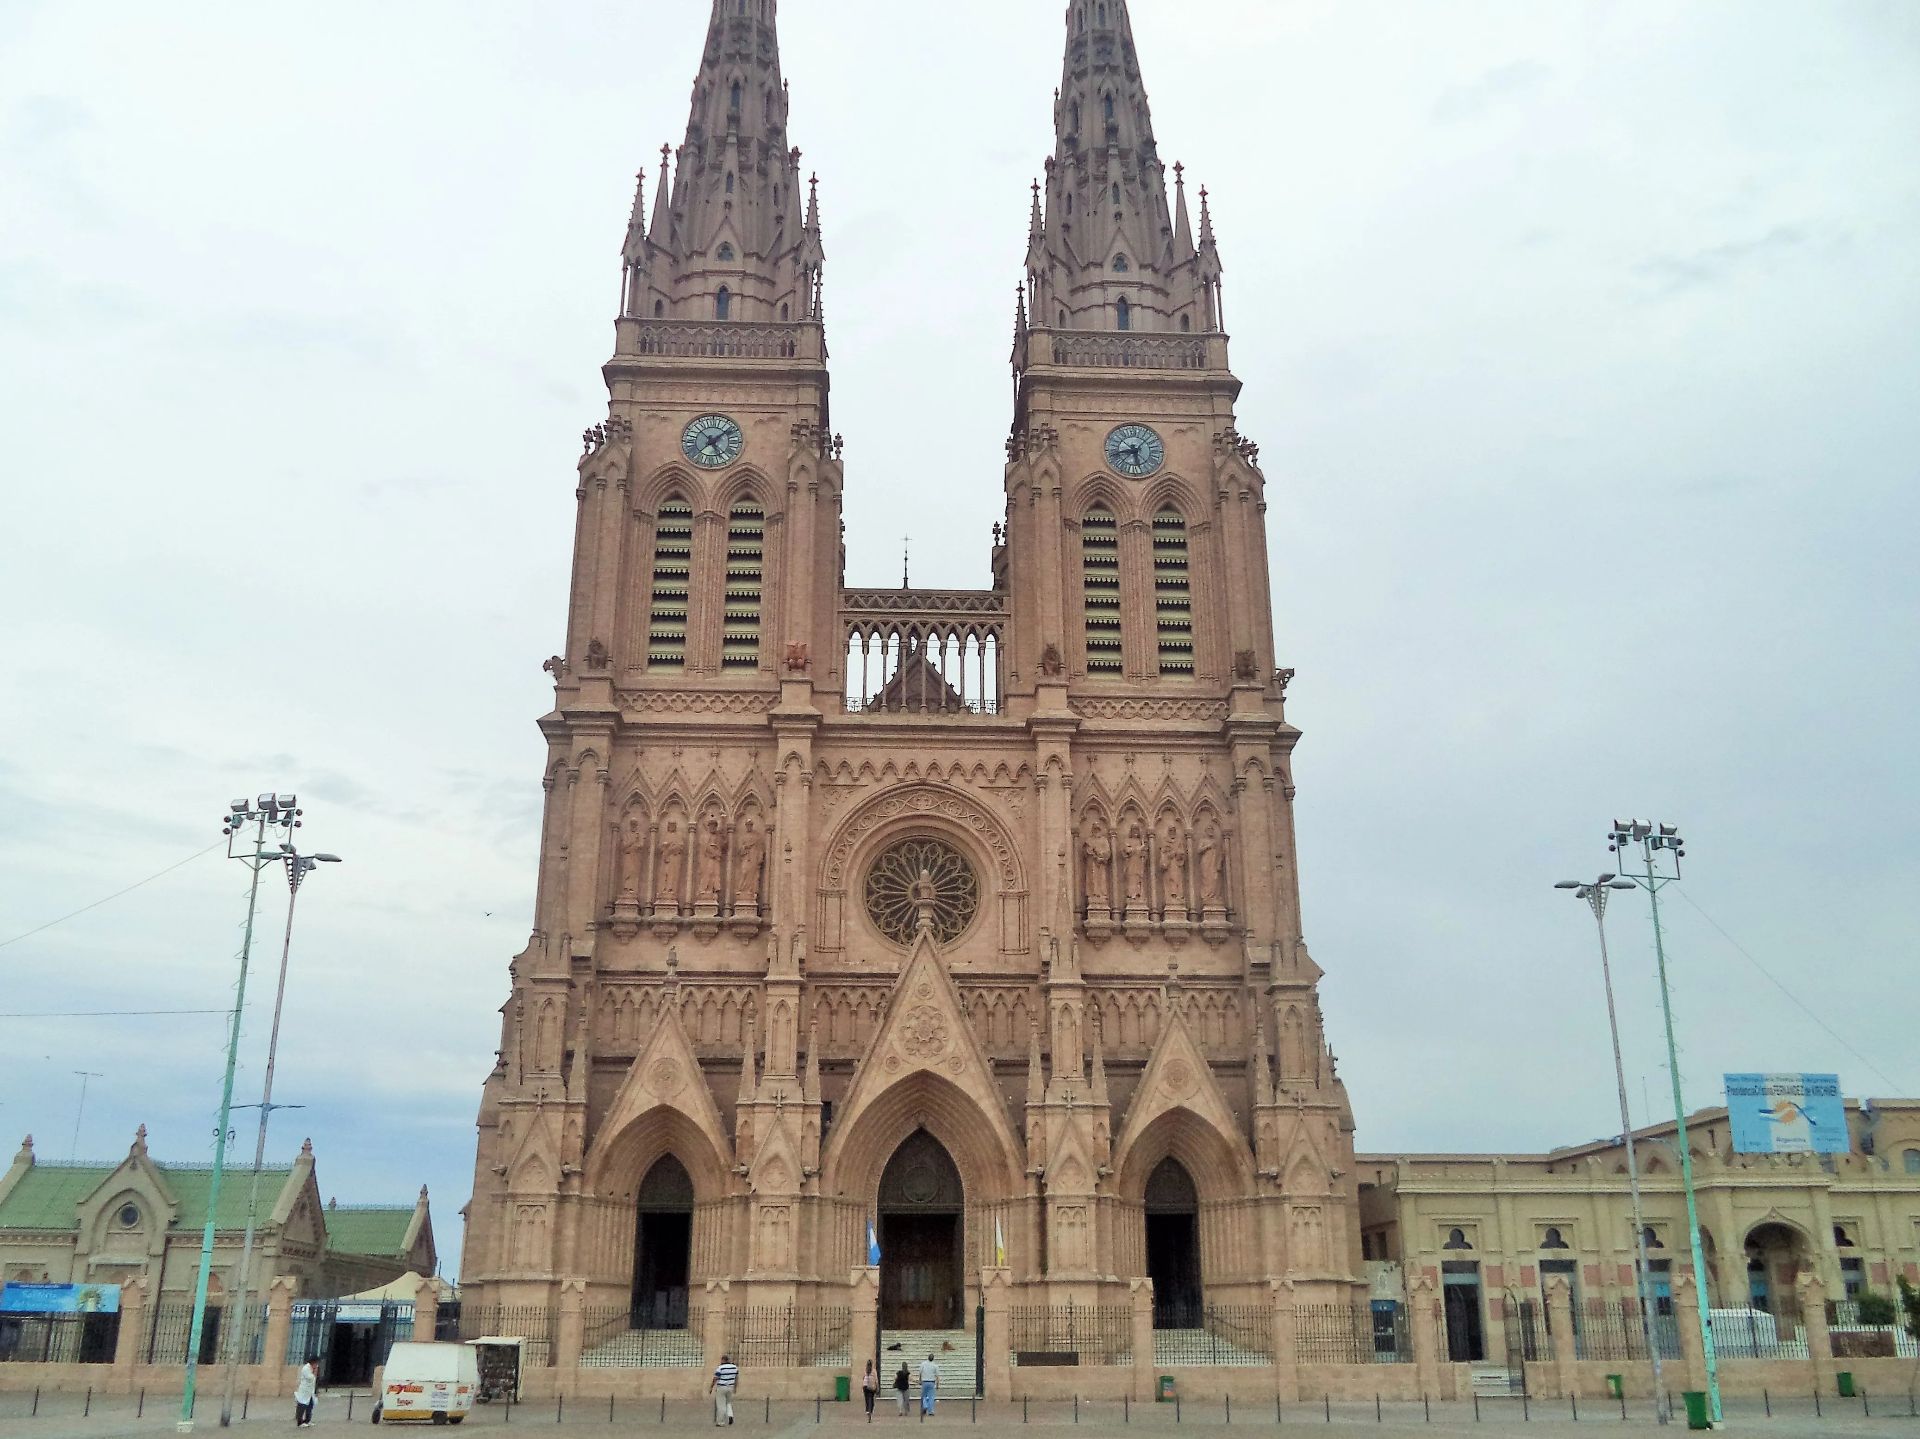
x=115 y=895
x=1891 y=1083
x=110 y=1013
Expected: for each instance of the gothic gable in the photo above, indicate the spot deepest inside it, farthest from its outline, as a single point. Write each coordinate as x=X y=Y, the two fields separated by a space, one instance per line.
x=923 y=1068
x=1178 y=1109
x=663 y=1105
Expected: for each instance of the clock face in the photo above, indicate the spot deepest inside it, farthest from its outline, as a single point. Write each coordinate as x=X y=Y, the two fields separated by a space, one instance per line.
x=712 y=441
x=1135 y=451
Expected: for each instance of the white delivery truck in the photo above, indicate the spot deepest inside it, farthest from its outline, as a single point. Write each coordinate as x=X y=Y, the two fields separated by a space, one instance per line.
x=435 y=1383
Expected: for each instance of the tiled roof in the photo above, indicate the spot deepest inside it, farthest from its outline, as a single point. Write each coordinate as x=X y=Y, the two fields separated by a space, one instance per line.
x=365 y=1230
x=47 y=1194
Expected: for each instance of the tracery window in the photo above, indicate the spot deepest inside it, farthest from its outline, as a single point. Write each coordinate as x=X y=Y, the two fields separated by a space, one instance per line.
x=672 y=567
x=892 y=889
x=1120 y=263
x=723 y=304
x=726 y=250
x=1100 y=566
x=740 y=640
x=1124 y=311
x=1172 y=593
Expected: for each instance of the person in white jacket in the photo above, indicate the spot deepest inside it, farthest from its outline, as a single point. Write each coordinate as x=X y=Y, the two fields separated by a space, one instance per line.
x=303 y=1396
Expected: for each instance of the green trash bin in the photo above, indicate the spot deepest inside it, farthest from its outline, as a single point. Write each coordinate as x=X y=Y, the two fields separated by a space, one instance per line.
x=1845 y=1376
x=1696 y=1409
x=1164 y=1392
x=1615 y=1386
x=842 y=1388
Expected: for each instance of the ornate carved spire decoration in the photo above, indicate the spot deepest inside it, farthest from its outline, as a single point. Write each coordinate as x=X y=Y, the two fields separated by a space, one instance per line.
x=731 y=244
x=1106 y=255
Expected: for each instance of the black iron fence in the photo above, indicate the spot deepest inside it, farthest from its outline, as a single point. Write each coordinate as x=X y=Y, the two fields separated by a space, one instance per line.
x=1615 y=1330
x=1528 y=1340
x=1227 y=1334
x=171 y=1328
x=789 y=1336
x=622 y=1337
x=535 y=1325
x=1778 y=1333
x=1057 y=1334
x=1351 y=1334
x=58 y=1338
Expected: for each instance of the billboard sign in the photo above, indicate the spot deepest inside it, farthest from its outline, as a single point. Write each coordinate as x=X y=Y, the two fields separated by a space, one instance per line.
x=1787 y=1114
x=60 y=1299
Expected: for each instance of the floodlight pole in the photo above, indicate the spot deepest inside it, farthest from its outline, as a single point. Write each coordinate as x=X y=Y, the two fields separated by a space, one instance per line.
x=298 y=866
x=1595 y=895
x=1648 y=840
x=265 y=811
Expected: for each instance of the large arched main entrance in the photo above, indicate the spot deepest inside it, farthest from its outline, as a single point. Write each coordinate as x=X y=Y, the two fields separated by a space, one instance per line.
x=1173 y=1245
x=663 y=1246
x=921 y=1203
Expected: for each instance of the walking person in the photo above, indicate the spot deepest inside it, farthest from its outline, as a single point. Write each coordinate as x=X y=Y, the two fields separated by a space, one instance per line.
x=900 y=1384
x=870 y=1389
x=929 y=1385
x=725 y=1379
x=303 y=1396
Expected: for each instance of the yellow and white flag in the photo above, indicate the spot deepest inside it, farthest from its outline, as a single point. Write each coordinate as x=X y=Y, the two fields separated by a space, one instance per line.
x=999 y=1245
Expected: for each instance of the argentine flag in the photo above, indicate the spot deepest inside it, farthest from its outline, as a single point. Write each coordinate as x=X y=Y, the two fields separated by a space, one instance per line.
x=873 y=1246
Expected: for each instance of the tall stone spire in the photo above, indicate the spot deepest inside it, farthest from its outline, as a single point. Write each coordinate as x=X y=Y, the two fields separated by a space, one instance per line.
x=730 y=243
x=1108 y=256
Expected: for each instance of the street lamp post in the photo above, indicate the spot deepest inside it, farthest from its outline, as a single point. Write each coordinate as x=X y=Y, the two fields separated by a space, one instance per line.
x=1595 y=895
x=279 y=814
x=298 y=867
x=1659 y=849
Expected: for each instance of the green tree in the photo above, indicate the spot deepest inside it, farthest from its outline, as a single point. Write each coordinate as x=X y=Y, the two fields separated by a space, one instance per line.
x=1910 y=1302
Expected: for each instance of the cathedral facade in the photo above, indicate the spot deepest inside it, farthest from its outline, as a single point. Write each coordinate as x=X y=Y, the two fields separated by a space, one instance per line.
x=960 y=924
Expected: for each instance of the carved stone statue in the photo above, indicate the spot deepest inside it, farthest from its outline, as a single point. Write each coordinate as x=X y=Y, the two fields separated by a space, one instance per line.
x=673 y=854
x=713 y=849
x=1173 y=871
x=1133 y=866
x=1210 y=849
x=1050 y=665
x=1097 y=851
x=749 y=847
x=633 y=843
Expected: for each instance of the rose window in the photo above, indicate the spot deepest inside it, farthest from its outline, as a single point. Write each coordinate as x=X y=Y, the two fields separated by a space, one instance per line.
x=893 y=876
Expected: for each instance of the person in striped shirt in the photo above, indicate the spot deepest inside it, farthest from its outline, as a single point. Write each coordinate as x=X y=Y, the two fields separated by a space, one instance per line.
x=722 y=1385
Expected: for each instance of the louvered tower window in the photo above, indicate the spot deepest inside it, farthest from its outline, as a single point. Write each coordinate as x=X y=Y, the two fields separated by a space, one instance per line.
x=740 y=644
x=1100 y=561
x=1172 y=594
x=672 y=565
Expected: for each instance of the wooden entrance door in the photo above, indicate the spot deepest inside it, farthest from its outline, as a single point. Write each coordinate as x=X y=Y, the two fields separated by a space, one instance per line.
x=920 y=1271
x=921 y=1202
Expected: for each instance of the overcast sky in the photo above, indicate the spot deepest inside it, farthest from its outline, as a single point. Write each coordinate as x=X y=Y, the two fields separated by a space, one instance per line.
x=1580 y=340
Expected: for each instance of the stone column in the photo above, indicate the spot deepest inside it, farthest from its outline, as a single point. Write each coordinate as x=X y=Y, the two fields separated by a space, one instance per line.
x=573 y=1324
x=1140 y=1316
x=863 y=1336
x=1812 y=1294
x=1286 y=1351
x=1423 y=1302
x=133 y=1328
x=1686 y=1316
x=426 y=1310
x=273 y=1353
x=1566 y=1352
x=715 y=1318
x=996 y=1293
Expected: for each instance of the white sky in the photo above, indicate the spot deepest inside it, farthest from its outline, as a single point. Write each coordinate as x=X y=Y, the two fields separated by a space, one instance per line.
x=1580 y=339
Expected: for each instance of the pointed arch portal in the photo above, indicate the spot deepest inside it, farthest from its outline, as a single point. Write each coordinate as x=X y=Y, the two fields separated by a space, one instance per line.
x=921 y=1203
x=1173 y=1245
x=663 y=1246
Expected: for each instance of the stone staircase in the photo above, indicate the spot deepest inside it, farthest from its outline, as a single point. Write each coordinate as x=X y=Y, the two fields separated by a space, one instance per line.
x=647 y=1349
x=956 y=1364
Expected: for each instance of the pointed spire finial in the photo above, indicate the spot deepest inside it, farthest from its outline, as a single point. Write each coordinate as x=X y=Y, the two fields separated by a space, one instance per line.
x=306 y=1148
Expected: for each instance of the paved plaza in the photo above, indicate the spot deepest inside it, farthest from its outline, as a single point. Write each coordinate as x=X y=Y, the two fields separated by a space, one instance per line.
x=61 y=1417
